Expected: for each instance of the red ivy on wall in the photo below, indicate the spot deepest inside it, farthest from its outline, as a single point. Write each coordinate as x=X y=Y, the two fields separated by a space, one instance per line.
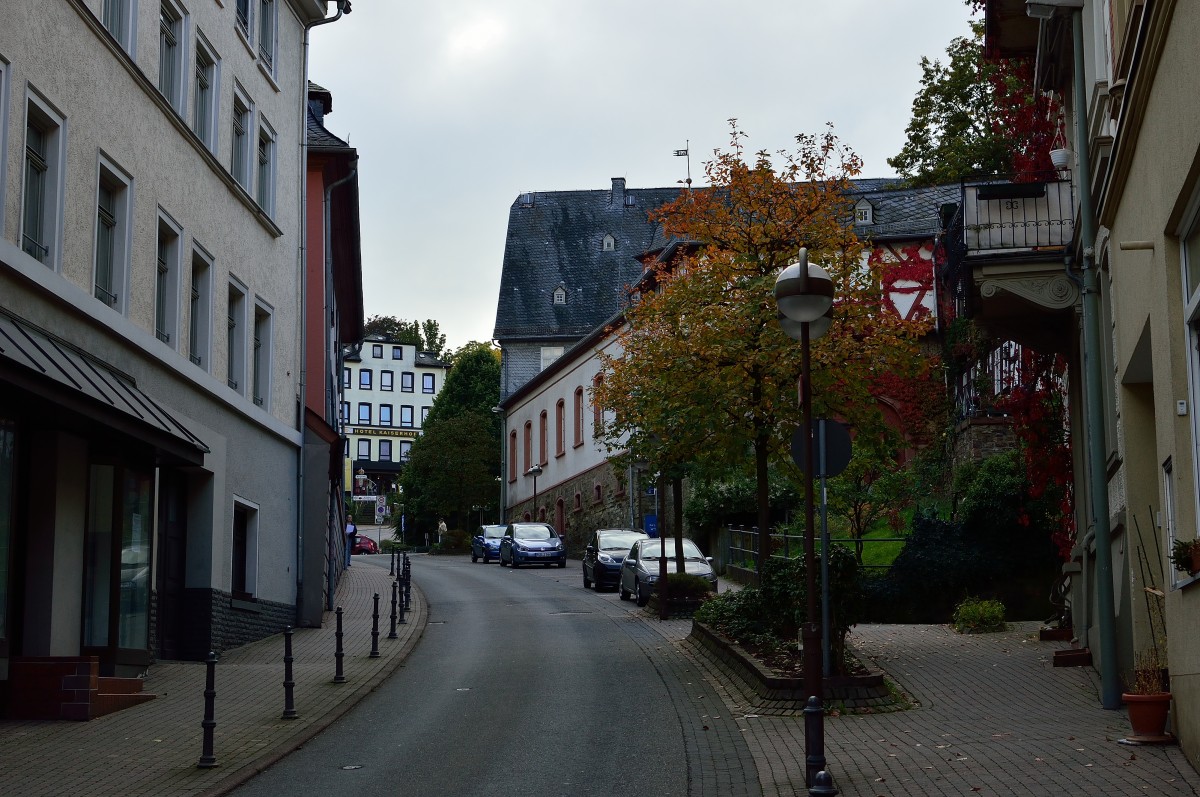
x=1038 y=406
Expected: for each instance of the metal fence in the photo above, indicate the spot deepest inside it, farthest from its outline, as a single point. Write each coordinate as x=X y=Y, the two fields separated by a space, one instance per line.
x=738 y=546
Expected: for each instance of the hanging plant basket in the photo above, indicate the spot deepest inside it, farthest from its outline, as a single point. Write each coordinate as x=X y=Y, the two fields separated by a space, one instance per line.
x=1061 y=158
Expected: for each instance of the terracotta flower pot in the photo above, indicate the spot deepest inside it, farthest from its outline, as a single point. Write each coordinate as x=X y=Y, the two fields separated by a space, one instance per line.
x=1148 y=717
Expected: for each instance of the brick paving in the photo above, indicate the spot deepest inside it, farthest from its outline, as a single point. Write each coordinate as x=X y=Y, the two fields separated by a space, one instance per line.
x=991 y=717
x=152 y=749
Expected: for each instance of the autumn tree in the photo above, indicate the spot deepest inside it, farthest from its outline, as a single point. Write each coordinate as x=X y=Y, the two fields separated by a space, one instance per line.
x=706 y=371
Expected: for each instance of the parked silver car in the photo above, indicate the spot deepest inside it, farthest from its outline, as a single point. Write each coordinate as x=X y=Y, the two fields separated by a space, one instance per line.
x=640 y=570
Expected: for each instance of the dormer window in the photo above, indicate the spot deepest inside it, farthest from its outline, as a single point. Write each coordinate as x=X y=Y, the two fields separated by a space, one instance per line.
x=864 y=213
x=560 y=295
x=610 y=243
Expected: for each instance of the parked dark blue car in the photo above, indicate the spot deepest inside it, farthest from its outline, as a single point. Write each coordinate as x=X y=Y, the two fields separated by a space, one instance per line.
x=603 y=556
x=485 y=544
x=532 y=543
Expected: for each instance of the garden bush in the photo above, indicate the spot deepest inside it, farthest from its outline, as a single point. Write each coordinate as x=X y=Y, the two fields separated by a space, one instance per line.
x=977 y=616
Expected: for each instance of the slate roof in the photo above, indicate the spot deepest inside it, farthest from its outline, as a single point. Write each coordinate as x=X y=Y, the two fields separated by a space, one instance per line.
x=557 y=238
x=902 y=212
x=318 y=136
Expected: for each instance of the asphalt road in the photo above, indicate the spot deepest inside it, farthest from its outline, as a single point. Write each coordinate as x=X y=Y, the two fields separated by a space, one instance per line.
x=524 y=684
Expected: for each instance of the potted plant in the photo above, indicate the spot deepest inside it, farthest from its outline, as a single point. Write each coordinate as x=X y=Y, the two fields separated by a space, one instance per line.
x=1185 y=555
x=1148 y=699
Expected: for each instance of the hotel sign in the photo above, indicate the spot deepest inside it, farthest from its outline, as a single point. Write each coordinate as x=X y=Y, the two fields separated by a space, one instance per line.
x=384 y=432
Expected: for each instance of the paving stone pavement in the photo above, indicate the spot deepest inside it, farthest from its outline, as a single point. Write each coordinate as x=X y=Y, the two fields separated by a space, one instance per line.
x=152 y=749
x=993 y=717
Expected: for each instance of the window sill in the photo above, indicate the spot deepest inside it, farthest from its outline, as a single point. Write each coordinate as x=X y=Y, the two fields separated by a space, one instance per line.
x=246 y=603
x=267 y=74
x=1186 y=582
x=245 y=40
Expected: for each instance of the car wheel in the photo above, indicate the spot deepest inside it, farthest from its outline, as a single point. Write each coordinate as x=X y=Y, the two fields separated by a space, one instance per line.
x=587 y=582
x=474 y=557
x=563 y=563
x=624 y=593
x=642 y=598
x=502 y=562
x=486 y=559
x=598 y=587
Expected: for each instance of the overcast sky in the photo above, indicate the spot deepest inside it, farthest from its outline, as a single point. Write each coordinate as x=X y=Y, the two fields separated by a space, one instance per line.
x=458 y=106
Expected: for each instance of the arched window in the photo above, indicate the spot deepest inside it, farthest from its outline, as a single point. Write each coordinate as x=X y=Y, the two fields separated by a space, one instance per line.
x=578 y=416
x=512 y=455
x=528 y=461
x=560 y=431
x=542 y=435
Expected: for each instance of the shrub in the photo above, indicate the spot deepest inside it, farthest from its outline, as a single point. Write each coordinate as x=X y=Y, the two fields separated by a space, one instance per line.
x=773 y=613
x=687 y=586
x=453 y=541
x=976 y=616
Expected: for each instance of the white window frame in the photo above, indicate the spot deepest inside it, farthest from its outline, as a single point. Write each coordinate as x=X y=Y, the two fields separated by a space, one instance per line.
x=268 y=35
x=1189 y=256
x=251 y=574
x=241 y=130
x=206 y=103
x=237 y=299
x=262 y=354
x=200 y=308
x=4 y=83
x=173 y=79
x=121 y=184
x=265 y=162
x=549 y=354
x=123 y=24
x=53 y=125
x=245 y=25
x=169 y=259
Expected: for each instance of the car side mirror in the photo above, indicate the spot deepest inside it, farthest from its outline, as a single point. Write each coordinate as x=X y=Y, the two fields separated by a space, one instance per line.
x=708 y=559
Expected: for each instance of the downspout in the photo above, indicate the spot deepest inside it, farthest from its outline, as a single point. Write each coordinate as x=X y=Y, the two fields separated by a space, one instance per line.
x=328 y=281
x=303 y=257
x=1110 y=685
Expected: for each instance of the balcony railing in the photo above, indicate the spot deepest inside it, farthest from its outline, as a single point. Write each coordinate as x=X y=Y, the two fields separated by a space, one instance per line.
x=1016 y=217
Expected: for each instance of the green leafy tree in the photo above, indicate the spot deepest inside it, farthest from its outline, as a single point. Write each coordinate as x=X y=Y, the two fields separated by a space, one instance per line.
x=425 y=335
x=873 y=488
x=706 y=372
x=952 y=133
x=455 y=462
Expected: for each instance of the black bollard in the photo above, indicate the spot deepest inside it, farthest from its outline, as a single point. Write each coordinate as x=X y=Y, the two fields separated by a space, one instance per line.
x=375 y=630
x=207 y=759
x=392 y=563
x=289 y=703
x=338 y=677
x=814 y=740
x=407 y=584
x=822 y=785
x=402 y=607
x=392 y=633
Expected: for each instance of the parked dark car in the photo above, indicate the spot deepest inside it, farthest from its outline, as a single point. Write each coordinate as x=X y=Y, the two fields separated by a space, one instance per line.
x=485 y=544
x=603 y=556
x=640 y=570
x=532 y=543
x=364 y=545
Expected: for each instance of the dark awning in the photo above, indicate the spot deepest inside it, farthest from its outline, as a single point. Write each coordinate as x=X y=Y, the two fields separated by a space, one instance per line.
x=60 y=372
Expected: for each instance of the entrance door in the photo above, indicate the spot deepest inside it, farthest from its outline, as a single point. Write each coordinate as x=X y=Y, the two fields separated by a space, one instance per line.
x=116 y=592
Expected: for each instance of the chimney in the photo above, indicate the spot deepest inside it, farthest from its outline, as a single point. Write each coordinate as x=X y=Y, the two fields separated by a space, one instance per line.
x=618 y=192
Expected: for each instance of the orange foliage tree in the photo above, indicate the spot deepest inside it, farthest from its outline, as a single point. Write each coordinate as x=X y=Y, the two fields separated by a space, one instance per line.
x=705 y=372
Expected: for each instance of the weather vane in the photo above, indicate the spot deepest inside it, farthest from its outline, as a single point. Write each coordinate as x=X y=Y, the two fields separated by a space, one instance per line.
x=683 y=153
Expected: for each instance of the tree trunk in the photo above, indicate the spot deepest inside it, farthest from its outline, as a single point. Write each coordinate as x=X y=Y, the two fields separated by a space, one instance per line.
x=677 y=521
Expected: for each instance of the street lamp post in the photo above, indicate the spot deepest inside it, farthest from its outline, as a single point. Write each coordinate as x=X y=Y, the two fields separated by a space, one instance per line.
x=804 y=294
x=534 y=471
x=503 y=478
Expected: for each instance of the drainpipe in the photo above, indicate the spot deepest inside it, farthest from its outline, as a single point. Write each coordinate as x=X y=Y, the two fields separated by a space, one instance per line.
x=303 y=257
x=1110 y=686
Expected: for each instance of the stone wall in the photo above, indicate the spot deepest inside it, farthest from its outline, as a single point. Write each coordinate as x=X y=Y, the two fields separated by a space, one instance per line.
x=976 y=439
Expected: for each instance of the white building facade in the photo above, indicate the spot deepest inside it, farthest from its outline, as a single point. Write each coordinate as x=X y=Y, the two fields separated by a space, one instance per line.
x=151 y=264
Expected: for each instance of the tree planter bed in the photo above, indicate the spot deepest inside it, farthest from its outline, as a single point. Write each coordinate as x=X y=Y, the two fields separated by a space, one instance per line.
x=852 y=693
